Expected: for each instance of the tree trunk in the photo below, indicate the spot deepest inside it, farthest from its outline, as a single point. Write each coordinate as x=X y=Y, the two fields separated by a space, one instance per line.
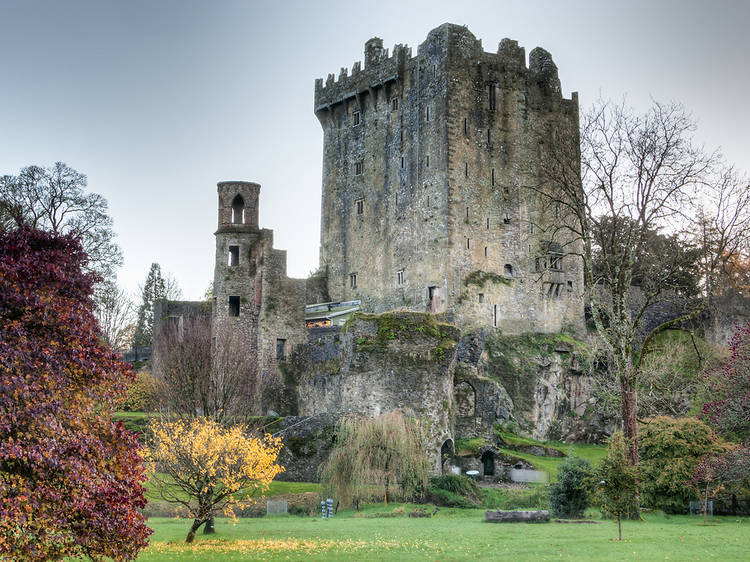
x=210 y=527
x=629 y=409
x=193 y=529
x=619 y=527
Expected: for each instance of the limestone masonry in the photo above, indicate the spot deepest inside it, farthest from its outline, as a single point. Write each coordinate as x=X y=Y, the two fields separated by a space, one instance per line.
x=428 y=210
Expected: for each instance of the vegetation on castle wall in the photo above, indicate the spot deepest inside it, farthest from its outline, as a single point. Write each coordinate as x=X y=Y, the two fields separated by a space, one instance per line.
x=405 y=326
x=514 y=361
x=481 y=278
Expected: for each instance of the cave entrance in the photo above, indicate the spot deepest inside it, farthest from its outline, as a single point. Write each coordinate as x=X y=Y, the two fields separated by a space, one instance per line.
x=488 y=462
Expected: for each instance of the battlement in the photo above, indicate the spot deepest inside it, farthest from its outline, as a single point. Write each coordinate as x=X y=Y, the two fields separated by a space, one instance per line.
x=380 y=68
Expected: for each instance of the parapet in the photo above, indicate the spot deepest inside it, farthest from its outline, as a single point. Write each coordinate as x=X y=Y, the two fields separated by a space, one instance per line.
x=380 y=68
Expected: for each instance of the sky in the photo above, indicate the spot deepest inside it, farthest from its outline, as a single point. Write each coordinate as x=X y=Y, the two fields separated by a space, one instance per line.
x=157 y=101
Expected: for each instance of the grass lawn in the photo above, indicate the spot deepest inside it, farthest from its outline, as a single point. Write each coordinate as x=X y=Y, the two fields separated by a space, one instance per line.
x=453 y=534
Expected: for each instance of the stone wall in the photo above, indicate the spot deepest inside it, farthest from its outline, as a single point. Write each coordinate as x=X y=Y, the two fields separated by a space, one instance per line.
x=307 y=444
x=396 y=361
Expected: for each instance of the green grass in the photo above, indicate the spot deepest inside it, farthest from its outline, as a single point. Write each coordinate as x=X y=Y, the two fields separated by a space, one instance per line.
x=453 y=534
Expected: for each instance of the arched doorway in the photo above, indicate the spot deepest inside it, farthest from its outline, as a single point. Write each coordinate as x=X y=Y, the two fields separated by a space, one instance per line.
x=488 y=463
x=446 y=450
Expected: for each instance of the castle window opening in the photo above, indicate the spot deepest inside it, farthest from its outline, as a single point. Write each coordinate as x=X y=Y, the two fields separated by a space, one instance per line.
x=353 y=280
x=427 y=114
x=360 y=206
x=485 y=251
x=280 y=349
x=557 y=290
x=234 y=256
x=508 y=270
x=238 y=209
x=468 y=243
x=234 y=305
x=488 y=223
x=466 y=126
x=467 y=212
x=491 y=96
x=358 y=168
x=400 y=277
x=481 y=298
x=489 y=136
x=394 y=104
x=531 y=228
x=506 y=218
x=570 y=286
x=402 y=135
x=466 y=169
x=356 y=118
x=402 y=162
x=555 y=256
x=492 y=176
x=431 y=293
x=494 y=315
x=427 y=161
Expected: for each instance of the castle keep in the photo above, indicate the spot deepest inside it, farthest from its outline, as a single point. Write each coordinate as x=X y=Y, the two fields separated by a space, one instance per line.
x=428 y=209
x=427 y=165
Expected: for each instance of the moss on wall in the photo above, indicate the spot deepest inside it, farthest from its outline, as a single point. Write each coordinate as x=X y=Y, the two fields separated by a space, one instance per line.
x=515 y=361
x=403 y=327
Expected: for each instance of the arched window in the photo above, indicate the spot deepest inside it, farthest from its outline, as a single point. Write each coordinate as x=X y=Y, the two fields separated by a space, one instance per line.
x=238 y=210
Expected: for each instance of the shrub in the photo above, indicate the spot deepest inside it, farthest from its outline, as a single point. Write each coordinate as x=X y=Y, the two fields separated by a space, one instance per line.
x=670 y=451
x=141 y=396
x=451 y=490
x=571 y=494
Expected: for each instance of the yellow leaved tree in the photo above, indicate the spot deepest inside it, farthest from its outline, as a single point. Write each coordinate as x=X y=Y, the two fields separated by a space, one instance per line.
x=209 y=468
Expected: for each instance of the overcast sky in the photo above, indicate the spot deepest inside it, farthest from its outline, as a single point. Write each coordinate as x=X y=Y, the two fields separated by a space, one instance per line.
x=156 y=101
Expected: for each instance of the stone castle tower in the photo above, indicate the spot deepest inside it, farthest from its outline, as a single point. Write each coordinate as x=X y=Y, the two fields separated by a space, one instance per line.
x=428 y=161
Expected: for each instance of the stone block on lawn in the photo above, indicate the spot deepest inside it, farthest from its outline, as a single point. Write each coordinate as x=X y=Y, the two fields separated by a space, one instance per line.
x=500 y=516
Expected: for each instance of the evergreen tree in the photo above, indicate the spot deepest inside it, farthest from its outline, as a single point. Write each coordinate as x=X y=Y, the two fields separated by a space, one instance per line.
x=155 y=287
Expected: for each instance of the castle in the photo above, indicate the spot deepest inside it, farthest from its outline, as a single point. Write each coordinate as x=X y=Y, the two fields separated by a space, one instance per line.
x=427 y=208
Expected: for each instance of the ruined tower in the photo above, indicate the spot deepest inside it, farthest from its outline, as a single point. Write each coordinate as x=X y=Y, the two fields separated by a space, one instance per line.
x=428 y=167
x=252 y=293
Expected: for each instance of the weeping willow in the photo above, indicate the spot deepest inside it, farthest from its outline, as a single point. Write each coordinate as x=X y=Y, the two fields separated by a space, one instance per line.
x=375 y=458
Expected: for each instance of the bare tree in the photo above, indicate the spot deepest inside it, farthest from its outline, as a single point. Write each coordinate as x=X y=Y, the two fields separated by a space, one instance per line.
x=639 y=173
x=114 y=310
x=54 y=199
x=223 y=385
x=722 y=229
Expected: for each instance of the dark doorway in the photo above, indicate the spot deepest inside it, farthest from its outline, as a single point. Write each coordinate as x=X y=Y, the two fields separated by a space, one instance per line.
x=488 y=462
x=447 y=449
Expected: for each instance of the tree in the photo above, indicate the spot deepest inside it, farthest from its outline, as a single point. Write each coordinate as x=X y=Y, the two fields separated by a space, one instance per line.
x=729 y=412
x=209 y=468
x=724 y=472
x=54 y=199
x=617 y=490
x=377 y=457
x=670 y=451
x=114 y=310
x=206 y=372
x=156 y=287
x=70 y=478
x=571 y=494
x=639 y=174
x=722 y=231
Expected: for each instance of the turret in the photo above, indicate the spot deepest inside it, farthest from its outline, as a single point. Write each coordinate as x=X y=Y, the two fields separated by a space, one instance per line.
x=238 y=205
